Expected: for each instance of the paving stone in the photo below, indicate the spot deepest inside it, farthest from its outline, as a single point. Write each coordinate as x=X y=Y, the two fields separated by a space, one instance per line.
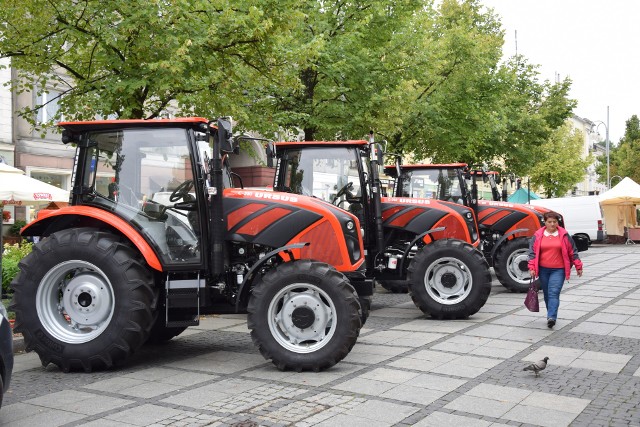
x=79 y=402
x=439 y=419
x=537 y=416
x=481 y=406
x=409 y=393
x=144 y=415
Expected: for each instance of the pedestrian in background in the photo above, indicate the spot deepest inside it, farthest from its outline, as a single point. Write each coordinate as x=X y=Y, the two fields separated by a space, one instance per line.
x=552 y=253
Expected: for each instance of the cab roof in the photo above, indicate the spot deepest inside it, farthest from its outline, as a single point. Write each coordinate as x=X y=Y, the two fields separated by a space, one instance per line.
x=83 y=126
x=349 y=143
x=430 y=166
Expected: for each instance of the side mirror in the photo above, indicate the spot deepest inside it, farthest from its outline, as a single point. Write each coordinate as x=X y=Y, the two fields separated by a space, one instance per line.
x=271 y=153
x=225 y=136
x=377 y=154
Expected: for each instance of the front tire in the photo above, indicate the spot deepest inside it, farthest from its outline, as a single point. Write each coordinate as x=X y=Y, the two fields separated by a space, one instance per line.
x=449 y=279
x=83 y=300
x=304 y=315
x=511 y=265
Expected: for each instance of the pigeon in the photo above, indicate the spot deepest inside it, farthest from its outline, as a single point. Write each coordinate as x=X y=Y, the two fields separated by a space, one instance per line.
x=537 y=366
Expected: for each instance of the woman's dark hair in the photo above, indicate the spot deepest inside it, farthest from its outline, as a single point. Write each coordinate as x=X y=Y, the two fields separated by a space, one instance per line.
x=551 y=214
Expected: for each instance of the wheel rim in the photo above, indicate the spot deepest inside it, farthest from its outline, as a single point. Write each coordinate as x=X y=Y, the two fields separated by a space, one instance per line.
x=517 y=266
x=75 y=302
x=448 y=281
x=302 y=318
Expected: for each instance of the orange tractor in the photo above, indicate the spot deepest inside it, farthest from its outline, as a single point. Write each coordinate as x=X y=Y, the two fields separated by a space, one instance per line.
x=153 y=239
x=424 y=245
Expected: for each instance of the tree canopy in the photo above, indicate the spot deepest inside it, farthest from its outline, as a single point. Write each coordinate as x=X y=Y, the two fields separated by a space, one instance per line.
x=427 y=78
x=136 y=59
x=623 y=158
x=559 y=164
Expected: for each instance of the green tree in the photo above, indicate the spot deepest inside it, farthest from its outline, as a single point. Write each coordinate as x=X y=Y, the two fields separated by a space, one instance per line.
x=623 y=158
x=559 y=163
x=136 y=59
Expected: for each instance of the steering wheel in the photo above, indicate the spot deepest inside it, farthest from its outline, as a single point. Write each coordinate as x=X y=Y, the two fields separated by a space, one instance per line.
x=346 y=190
x=181 y=191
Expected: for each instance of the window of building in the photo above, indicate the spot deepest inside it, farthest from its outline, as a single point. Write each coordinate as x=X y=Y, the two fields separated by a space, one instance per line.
x=49 y=102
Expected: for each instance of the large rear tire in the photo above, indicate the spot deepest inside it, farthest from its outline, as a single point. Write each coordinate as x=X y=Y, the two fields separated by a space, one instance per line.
x=83 y=300
x=304 y=315
x=449 y=279
x=511 y=267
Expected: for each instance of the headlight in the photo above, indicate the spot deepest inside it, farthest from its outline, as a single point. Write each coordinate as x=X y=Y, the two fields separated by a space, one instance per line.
x=350 y=225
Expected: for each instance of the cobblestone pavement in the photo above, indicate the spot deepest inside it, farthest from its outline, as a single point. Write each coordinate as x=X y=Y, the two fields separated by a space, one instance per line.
x=405 y=369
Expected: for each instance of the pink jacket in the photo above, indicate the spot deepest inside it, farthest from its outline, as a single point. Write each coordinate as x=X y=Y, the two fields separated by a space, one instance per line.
x=569 y=252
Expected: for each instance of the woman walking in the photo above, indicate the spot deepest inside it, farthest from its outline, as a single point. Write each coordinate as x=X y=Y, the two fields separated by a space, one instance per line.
x=552 y=252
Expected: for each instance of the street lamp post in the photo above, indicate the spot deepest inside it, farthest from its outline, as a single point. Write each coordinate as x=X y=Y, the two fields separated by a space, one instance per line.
x=606 y=128
x=614 y=176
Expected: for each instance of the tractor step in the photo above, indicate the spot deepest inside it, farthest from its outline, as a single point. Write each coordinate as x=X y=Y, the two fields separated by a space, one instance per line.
x=183 y=323
x=183 y=296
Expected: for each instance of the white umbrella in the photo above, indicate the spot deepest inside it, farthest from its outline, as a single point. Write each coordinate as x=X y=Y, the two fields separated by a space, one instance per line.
x=15 y=187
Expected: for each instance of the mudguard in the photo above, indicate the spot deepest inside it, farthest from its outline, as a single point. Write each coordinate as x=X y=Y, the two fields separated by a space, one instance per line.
x=51 y=221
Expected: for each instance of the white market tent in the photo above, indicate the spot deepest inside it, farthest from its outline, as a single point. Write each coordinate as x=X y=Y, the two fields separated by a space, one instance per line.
x=619 y=206
x=17 y=188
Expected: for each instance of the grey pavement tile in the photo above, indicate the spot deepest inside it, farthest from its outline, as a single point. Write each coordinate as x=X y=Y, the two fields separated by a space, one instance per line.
x=633 y=321
x=490 y=331
x=480 y=405
x=500 y=393
x=383 y=337
x=395 y=376
x=25 y=415
x=439 y=419
x=625 y=331
x=481 y=316
x=572 y=405
x=416 y=339
x=79 y=402
x=304 y=378
x=144 y=415
x=364 y=386
x=223 y=362
x=497 y=308
x=351 y=421
x=580 y=306
x=570 y=314
x=540 y=417
x=26 y=361
x=594 y=328
x=617 y=319
x=417 y=395
x=149 y=389
x=637 y=373
x=437 y=382
x=114 y=385
x=455 y=347
x=459 y=370
x=203 y=396
x=416 y=364
x=388 y=412
x=372 y=354
x=597 y=365
x=527 y=335
x=103 y=422
x=430 y=325
x=397 y=313
x=516 y=319
x=291 y=412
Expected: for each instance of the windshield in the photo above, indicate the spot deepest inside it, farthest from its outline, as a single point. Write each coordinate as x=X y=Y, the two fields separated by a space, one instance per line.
x=440 y=184
x=140 y=174
x=330 y=174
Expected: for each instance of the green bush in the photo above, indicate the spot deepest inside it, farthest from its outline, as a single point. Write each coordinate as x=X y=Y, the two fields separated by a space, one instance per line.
x=10 y=259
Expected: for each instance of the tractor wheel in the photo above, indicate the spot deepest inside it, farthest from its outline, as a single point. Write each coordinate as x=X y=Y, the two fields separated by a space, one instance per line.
x=510 y=265
x=395 y=286
x=365 y=307
x=82 y=300
x=304 y=315
x=449 y=279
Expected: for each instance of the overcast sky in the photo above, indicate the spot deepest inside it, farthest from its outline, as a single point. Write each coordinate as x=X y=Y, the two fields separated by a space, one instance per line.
x=594 y=42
